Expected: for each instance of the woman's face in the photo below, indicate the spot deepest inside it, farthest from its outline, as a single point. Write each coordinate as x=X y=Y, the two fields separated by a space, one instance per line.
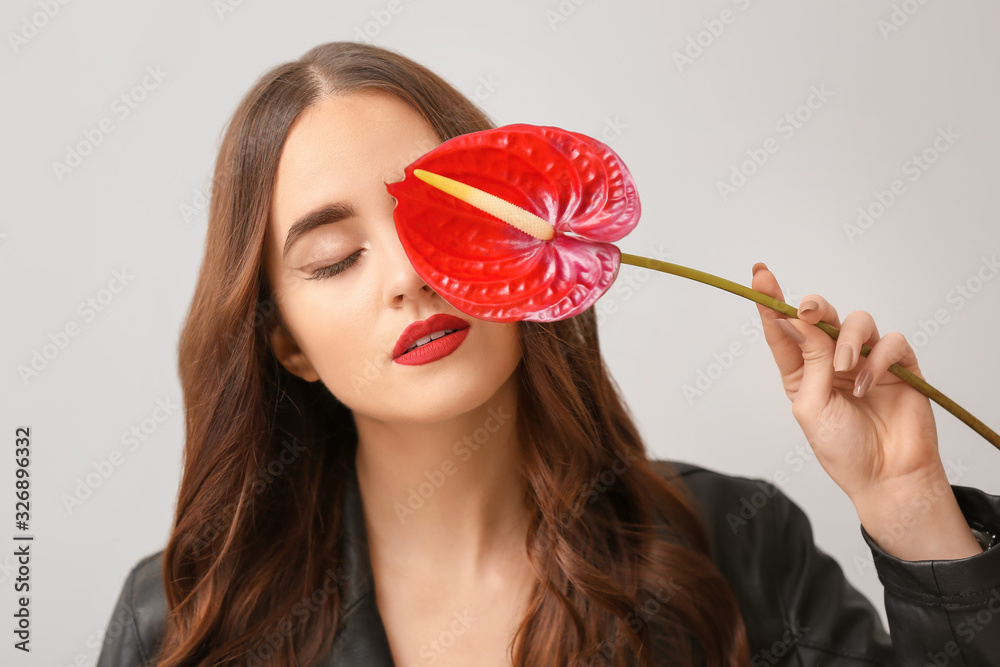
x=342 y=327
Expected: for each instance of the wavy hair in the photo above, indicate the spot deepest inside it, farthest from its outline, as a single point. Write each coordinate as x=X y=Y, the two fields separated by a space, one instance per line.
x=258 y=519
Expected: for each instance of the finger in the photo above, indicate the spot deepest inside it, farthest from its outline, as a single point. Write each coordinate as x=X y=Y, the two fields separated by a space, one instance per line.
x=816 y=349
x=786 y=352
x=858 y=330
x=814 y=308
x=893 y=348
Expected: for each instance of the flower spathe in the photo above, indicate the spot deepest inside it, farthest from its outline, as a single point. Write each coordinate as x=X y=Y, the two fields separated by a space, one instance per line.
x=517 y=222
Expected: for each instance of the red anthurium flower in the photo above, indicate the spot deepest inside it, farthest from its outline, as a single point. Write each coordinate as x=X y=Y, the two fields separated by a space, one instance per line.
x=516 y=223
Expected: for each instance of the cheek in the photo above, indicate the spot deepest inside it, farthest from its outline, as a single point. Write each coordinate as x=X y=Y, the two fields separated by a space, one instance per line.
x=505 y=345
x=335 y=332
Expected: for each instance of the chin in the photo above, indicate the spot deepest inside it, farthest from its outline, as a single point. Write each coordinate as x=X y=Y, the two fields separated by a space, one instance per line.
x=429 y=402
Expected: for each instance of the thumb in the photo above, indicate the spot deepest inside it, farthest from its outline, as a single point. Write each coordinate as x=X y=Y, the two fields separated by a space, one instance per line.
x=817 y=349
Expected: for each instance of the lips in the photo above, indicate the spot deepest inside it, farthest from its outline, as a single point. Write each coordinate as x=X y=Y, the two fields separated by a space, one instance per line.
x=433 y=324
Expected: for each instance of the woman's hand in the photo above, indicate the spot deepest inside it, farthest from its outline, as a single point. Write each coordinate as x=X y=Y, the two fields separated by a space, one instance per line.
x=872 y=432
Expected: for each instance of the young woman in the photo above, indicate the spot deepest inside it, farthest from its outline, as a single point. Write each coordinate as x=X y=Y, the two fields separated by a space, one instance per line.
x=341 y=505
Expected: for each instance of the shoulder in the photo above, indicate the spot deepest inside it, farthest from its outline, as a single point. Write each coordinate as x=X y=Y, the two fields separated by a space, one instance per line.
x=740 y=499
x=149 y=600
x=790 y=591
x=138 y=619
x=741 y=514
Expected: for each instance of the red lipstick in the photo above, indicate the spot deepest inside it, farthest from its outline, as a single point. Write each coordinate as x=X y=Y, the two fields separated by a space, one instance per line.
x=439 y=347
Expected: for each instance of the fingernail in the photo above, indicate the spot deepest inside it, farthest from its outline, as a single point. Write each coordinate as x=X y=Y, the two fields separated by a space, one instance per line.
x=790 y=331
x=808 y=306
x=842 y=359
x=757 y=267
x=862 y=383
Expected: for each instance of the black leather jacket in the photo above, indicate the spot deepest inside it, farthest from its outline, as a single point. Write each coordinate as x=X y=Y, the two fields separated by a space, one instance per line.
x=798 y=607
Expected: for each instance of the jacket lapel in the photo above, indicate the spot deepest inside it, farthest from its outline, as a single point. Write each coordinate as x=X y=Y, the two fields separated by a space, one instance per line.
x=361 y=638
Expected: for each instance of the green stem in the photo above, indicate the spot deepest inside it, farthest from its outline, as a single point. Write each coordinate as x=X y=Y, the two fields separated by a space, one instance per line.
x=783 y=308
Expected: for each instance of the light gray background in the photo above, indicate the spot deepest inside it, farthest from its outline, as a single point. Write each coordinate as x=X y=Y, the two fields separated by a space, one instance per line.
x=599 y=67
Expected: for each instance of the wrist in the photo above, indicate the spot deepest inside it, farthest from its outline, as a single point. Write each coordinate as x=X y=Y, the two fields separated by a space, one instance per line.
x=918 y=520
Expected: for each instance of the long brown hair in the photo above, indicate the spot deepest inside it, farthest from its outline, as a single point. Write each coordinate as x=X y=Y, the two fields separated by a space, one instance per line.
x=259 y=509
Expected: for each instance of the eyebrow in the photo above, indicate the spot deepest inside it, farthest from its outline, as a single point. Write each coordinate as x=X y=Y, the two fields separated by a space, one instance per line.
x=324 y=216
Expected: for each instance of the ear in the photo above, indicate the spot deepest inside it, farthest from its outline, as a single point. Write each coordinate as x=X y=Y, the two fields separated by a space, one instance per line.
x=289 y=354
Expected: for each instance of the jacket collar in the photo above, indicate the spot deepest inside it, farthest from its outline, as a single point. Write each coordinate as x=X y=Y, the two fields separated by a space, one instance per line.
x=361 y=638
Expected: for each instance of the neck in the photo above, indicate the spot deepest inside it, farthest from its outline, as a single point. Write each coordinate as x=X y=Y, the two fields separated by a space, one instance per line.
x=444 y=494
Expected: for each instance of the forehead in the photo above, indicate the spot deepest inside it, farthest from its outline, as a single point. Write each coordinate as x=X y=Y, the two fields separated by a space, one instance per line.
x=345 y=146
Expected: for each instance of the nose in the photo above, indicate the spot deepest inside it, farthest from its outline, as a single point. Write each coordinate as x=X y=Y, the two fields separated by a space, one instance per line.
x=401 y=282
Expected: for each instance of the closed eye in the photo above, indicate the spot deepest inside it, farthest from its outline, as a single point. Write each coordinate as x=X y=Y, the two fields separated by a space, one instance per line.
x=334 y=269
